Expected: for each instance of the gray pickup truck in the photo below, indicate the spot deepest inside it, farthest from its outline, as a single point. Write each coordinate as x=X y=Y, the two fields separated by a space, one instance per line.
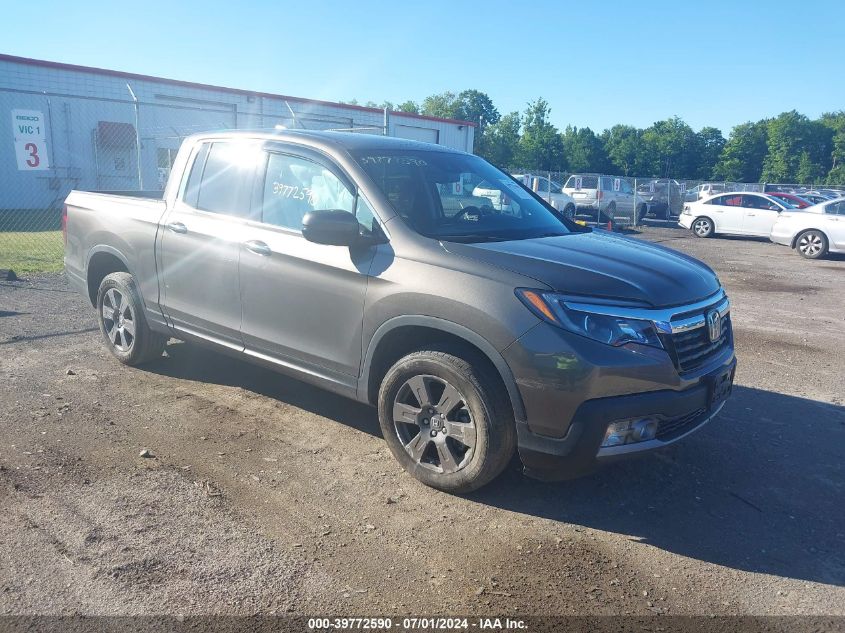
x=475 y=333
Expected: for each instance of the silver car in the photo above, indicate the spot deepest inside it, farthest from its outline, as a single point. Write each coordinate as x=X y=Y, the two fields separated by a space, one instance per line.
x=608 y=198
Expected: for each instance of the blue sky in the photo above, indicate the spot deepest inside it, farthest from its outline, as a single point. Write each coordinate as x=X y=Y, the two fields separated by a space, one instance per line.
x=714 y=63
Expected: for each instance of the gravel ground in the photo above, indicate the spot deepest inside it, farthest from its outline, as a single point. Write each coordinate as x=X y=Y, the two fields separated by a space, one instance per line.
x=264 y=495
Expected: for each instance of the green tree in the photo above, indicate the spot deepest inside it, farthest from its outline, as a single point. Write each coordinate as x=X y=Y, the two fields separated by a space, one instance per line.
x=476 y=106
x=835 y=121
x=670 y=149
x=409 y=106
x=499 y=142
x=743 y=155
x=584 y=150
x=540 y=146
x=790 y=135
x=710 y=145
x=624 y=149
x=444 y=105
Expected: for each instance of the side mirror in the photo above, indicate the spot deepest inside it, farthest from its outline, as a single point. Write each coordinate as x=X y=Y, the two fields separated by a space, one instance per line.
x=334 y=227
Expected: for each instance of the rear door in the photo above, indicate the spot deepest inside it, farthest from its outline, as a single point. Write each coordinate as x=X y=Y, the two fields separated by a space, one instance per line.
x=834 y=221
x=726 y=212
x=303 y=302
x=200 y=243
x=760 y=214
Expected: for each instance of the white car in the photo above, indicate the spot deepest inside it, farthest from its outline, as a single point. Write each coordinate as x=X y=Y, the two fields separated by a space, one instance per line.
x=736 y=213
x=813 y=231
x=501 y=201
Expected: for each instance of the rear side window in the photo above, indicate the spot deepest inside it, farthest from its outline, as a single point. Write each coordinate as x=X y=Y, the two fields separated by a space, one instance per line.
x=192 y=188
x=727 y=201
x=227 y=179
x=606 y=184
x=837 y=208
x=587 y=182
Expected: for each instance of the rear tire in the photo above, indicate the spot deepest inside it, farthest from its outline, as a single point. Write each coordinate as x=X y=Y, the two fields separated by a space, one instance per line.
x=446 y=419
x=607 y=215
x=702 y=227
x=812 y=244
x=120 y=315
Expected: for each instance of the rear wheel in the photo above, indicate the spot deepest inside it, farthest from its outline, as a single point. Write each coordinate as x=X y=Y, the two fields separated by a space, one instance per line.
x=607 y=215
x=812 y=244
x=120 y=314
x=446 y=419
x=702 y=227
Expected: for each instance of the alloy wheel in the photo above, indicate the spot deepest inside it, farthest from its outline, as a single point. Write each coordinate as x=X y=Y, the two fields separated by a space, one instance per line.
x=118 y=320
x=434 y=424
x=810 y=244
x=701 y=227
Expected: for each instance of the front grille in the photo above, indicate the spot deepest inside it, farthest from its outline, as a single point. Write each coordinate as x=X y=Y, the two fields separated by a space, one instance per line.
x=693 y=348
x=675 y=427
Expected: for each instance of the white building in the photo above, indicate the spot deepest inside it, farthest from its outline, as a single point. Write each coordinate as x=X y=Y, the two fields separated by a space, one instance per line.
x=70 y=126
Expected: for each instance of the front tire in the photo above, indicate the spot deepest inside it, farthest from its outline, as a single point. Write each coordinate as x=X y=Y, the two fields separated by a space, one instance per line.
x=446 y=419
x=120 y=315
x=702 y=227
x=812 y=244
x=569 y=212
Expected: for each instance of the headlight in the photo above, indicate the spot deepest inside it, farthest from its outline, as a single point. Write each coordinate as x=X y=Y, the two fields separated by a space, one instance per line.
x=606 y=329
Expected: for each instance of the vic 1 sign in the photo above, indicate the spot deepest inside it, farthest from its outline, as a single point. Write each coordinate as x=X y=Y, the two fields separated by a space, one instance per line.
x=30 y=137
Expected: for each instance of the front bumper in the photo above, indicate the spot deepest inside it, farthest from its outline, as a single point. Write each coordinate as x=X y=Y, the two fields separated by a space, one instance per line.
x=571 y=397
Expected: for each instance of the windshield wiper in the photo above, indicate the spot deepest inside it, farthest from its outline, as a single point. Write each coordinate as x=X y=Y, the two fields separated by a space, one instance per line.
x=473 y=237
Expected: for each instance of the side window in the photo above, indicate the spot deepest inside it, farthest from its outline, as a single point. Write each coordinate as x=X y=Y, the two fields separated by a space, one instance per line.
x=626 y=187
x=226 y=183
x=606 y=184
x=730 y=201
x=837 y=208
x=365 y=215
x=192 y=187
x=294 y=186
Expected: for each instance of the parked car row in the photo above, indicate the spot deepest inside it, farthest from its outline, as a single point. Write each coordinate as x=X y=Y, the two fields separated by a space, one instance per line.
x=814 y=230
x=607 y=198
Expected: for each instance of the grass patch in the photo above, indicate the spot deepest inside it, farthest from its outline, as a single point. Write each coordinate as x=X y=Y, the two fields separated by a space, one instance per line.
x=32 y=252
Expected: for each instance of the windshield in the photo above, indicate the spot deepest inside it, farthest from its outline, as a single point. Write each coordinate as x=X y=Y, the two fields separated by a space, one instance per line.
x=458 y=197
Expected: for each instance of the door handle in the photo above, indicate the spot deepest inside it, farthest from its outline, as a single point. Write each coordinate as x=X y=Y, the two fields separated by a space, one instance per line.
x=177 y=227
x=258 y=247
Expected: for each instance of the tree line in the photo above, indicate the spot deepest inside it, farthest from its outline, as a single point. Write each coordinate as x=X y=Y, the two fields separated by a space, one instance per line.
x=789 y=148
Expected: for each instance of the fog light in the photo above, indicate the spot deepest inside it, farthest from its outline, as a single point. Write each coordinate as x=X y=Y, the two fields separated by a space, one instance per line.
x=630 y=431
x=643 y=430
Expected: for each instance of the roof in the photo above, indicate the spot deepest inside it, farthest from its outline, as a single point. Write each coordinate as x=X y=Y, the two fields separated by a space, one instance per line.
x=238 y=91
x=349 y=141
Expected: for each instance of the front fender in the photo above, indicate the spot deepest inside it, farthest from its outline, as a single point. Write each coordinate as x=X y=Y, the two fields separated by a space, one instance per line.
x=448 y=327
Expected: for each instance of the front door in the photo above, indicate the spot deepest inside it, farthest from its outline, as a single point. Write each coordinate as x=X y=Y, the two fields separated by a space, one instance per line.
x=726 y=212
x=303 y=302
x=760 y=215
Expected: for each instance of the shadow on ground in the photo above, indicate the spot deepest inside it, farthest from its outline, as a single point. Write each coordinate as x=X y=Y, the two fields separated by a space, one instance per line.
x=758 y=489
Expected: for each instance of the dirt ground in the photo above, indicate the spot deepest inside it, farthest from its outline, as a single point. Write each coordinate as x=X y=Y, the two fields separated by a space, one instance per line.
x=265 y=495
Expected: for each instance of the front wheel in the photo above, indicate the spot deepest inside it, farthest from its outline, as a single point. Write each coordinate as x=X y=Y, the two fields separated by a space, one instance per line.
x=812 y=244
x=702 y=227
x=446 y=420
x=120 y=314
x=569 y=212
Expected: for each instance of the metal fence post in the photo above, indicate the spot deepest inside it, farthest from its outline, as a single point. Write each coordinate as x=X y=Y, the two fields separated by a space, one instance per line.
x=137 y=138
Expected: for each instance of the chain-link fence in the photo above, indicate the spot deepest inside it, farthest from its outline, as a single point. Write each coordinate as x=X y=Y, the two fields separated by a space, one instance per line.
x=626 y=201
x=62 y=142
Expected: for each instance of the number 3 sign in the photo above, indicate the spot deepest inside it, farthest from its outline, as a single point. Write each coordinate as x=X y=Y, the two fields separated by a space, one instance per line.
x=30 y=140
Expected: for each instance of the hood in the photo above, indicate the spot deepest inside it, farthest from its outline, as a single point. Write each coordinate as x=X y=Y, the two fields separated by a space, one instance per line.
x=601 y=264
